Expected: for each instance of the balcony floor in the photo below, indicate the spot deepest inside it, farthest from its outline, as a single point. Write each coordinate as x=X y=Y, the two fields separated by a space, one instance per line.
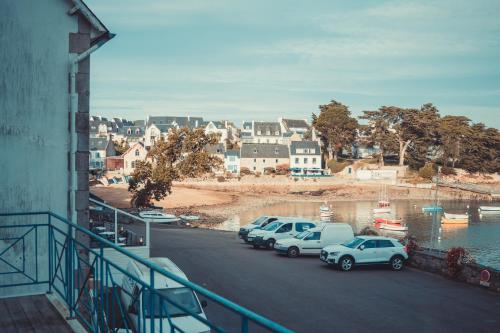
x=30 y=314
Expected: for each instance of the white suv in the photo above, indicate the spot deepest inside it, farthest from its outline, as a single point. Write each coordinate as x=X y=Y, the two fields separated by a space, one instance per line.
x=366 y=250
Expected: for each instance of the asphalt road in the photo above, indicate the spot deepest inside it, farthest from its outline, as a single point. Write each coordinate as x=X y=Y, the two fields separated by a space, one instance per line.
x=305 y=295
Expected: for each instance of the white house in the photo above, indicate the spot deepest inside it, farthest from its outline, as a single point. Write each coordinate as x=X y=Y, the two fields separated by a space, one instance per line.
x=232 y=161
x=155 y=132
x=135 y=153
x=305 y=158
x=218 y=127
x=256 y=157
x=299 y=126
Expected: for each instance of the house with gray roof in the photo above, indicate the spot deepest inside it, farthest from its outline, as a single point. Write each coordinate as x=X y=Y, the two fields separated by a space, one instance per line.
x=299 y=126
x=256 y=157
x=99 y=149
x=305 y=158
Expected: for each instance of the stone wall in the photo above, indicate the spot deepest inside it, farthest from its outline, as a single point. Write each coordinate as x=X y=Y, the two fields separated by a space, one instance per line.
x=435 y=262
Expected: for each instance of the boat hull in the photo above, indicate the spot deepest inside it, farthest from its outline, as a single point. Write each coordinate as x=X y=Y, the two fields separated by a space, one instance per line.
x=444 y=220
x=393 y=227
x=381 y=210
x=456 y=216
x=490 y=208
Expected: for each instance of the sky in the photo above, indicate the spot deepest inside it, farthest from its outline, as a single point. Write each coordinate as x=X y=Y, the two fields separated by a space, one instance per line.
x=261 y=59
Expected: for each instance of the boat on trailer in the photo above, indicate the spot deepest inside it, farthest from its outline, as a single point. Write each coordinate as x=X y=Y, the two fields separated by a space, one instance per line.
x=155 y=216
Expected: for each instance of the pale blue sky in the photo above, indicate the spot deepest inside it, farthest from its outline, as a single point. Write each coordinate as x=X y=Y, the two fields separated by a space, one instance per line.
x=260 y=59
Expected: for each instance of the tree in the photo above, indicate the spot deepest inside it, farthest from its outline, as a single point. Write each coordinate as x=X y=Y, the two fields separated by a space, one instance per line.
x=414 y=129
x=336 y=126
x=378 y=132
x=453 y=131
x=183 y=154
x=480 y=152
x=121 y=147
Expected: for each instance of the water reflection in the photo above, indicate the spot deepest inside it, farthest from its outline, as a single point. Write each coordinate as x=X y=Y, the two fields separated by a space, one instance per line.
x=481 y=236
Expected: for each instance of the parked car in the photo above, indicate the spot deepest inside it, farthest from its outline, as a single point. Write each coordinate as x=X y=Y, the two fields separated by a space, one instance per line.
x=257 y=224
x=136 y=300
x=280 y=229
x=366 y=250
x=313 y=240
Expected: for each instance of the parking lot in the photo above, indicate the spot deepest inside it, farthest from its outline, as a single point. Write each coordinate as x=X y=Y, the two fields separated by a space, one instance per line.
x=305 y=295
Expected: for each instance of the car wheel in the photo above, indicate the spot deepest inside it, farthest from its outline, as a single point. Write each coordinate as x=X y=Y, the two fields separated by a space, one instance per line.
x=270 y=244
x=293 y=252
x=397 y=263
x=346 y=263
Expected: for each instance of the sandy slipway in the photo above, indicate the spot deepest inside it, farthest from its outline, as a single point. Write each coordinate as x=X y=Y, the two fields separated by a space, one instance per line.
x=307 y=296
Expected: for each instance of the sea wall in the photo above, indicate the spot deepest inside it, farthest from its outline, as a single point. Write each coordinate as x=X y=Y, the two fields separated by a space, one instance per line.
x=435 y=262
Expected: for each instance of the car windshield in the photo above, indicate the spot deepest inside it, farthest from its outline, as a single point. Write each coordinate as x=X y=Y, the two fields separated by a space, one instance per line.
x=259 y=220
x=303 y=234
x=181 y=296
x=354 y=242
x=272 y=226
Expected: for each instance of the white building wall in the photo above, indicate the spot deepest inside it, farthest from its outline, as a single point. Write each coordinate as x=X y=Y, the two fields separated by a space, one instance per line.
x=259 y=164
x=130 y=158
x=305 y=161
x=34 y=136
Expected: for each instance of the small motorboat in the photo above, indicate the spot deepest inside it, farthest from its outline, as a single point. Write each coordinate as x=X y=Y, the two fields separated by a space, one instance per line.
x=445 y=220
x=456 y=216
x=154 y=216
x=432 y=209
x=393 y=227
x=489 y=209
x=189 y=217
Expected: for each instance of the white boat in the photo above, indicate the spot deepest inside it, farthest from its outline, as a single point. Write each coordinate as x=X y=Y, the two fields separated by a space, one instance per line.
x=456 y=216
x=393 y=227
x=490 y=208
x=385 y=210
x=189 y=217
x=154 y=216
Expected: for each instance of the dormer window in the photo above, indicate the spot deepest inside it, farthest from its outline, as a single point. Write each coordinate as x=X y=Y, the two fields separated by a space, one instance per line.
x=268 y=132
x=129 y=131
x=259 y=132
x=277 y=133
x=255 y=150
x=276 y=151
x=137 y=131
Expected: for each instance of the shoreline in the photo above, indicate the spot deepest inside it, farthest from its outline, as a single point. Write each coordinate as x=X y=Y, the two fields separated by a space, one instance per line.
x=216 y=202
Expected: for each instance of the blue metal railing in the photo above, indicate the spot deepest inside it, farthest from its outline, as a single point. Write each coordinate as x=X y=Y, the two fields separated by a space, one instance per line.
x=86 y=280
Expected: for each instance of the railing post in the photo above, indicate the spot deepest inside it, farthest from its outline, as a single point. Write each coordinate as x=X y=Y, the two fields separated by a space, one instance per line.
x=116 y=226
x=101 y=282
x=148 y=235
x=51 y=263
x=244 y=324
x=151 y=299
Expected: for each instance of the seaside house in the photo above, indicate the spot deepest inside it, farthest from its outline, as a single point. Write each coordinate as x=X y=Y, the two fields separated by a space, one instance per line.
x=256 y=157
x=130 y=134
x=155 y=132
x=305 y=158
x=299 y=126
x=232 y=161
x=136 y=152
x=99 y=149
x=218 y=127
x=217 y=150
x=267 y=132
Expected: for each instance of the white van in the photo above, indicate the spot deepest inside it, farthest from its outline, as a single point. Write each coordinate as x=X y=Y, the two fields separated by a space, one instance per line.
x=280 y=229
x=136 y=300
x=313 y=240
x=258 y=223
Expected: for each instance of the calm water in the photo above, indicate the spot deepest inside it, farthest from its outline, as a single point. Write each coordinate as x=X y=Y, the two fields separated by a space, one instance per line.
x=481 y=237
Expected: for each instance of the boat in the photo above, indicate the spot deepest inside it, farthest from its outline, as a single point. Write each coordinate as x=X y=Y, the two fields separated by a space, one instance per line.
x=397 y=227
x=387 y=221
x=432 y=209
x=489 y=208
x=189 y=217
x=445 y=220
x=383 y=205
x=456 y=216
x=155 y=216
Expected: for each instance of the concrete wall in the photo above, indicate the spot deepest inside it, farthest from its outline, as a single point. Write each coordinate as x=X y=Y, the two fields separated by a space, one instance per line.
x=36 y=39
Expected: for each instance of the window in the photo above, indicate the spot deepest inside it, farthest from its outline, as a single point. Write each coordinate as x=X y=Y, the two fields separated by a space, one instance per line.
x=276 y=151
x=97 y=155
x=296 y=160
x=301 y=226
x=314 y=236
x=277 y=133
x=305 y=160
x=370 y=244
x=254 y=168
x=255 y=150
x=264 y=160
x=137 y=131
x=259 y=132
x=255 y=160
x=232 y=158
x=284 y=228
x=129 y=131
x=268 y=132
x=133 y=164
x=385 y=243
x=314 y=160
x=276 y=160
x=137 y=152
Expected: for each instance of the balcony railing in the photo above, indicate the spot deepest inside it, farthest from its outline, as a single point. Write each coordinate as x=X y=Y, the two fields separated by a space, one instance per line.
x=44 y=249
